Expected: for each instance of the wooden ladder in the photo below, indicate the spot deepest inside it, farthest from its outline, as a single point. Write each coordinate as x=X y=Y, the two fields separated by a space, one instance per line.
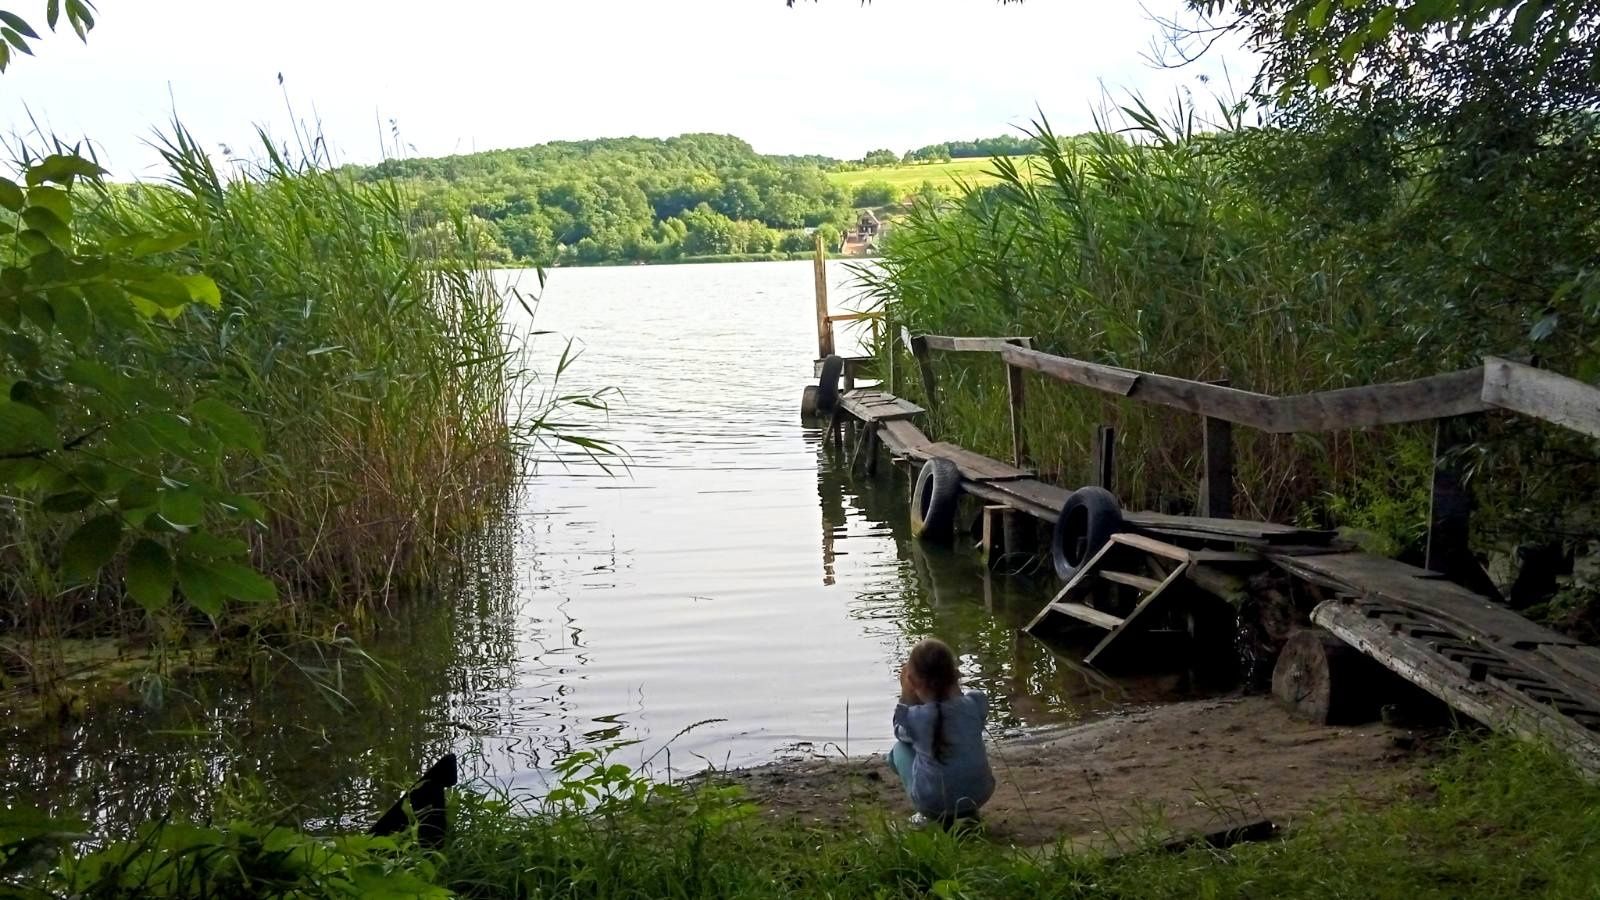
x=1094 y=575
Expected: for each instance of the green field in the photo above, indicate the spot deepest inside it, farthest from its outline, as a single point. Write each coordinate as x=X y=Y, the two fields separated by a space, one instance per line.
x=910 y=177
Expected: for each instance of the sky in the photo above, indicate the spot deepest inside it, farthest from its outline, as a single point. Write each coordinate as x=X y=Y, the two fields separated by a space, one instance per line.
x=833 y=77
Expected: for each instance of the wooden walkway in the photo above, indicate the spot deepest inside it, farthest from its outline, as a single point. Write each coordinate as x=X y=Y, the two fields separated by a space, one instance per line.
x=1479 y=657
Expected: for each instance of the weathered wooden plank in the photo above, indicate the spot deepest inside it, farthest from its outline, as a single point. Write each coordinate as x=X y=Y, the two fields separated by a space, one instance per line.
x=975 y=466
x=1036 y=498
x=1451 y=394
x=1087 y=614
x=1435 y=397
x=902 y=437
x=871 y=405
x=1141 y=582
x=1362 y=574
x=974 y=344
x=1103 y=378
x=1016 y=398
x=819 y=267
x=1580 y=662
x=1243 y=528
x=1145 y=605
x=1554 y=398
x=1482 y=698
x=930 y=385
x=1152 y=546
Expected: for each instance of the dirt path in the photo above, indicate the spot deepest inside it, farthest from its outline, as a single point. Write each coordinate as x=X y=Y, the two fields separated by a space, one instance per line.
x=1173 y=769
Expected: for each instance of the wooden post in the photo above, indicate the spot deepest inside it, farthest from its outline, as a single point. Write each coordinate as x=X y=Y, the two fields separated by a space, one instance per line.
x=992 y=546
x=1103 y=457
x=1216 y=482
x=1450 y=512
x=1016 y=398
x=824 y=327
x=930 y=388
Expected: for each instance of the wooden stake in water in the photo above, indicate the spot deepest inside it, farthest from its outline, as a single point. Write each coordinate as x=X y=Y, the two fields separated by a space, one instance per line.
x=824 y=326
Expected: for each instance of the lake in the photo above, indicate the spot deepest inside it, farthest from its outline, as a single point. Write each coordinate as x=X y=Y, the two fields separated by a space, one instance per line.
x=725 y=596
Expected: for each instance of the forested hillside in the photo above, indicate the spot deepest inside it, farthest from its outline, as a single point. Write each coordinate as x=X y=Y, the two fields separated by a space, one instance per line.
x=624 y=199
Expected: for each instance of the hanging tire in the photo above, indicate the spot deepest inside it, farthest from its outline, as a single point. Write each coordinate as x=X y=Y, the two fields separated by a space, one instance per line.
x=934 y=500
x=1088 y=519
x=808 y=403
x=828 y=384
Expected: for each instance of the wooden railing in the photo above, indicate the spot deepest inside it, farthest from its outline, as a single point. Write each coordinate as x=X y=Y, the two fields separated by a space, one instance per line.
x=1445 y=399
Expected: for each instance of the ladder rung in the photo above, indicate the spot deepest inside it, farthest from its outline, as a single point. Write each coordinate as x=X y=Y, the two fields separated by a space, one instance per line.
x=1131 y=580
x=1151 y=545
x=1087 y=614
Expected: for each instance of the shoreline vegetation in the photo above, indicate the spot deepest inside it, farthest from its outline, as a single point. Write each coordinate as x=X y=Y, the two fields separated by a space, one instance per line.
x=1482 y=817
x=226 y=395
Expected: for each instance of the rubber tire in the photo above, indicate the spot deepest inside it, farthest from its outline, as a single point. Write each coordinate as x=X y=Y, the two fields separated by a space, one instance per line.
x=934 y=500
x=828 y=384
x=1088 y=519
x=808 y=403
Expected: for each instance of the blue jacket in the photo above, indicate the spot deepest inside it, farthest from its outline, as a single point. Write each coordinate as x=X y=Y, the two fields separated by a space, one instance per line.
x=957 y=779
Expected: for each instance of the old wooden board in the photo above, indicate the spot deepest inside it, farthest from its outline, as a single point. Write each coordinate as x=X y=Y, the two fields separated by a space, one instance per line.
x=1365 y=575
x=1270 y=532
x=872 y=405
x=974 y=466
x=902 y=437
x=1036 y=498
x=1493 y=685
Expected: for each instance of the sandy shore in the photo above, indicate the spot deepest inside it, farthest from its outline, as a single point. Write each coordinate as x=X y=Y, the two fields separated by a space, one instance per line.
x=1175 y=769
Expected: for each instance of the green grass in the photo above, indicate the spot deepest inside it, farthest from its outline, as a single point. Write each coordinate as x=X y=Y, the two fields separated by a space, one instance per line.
x=910 y=177
x=1492 y=819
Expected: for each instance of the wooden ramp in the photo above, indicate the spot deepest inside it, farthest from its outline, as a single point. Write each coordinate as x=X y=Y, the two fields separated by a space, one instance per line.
x=1475 y=655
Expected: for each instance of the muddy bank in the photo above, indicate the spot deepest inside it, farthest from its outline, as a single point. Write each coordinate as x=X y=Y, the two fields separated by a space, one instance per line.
x=1171 y=769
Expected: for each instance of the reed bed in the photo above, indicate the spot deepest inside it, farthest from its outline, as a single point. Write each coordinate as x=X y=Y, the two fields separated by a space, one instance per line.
x=1165 y=253
x=396 y=403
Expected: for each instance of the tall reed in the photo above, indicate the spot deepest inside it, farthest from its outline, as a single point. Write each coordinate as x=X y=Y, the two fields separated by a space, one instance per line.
x=1147 y=254
x=394 y=396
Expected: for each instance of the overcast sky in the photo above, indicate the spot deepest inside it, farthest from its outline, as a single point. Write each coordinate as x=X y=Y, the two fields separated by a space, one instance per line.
x=831 y=77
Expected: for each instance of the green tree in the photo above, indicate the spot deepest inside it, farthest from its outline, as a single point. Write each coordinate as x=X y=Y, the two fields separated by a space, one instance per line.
x=880 y=158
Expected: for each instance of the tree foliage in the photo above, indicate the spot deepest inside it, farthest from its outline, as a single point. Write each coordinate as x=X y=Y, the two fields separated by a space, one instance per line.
x=623 y=198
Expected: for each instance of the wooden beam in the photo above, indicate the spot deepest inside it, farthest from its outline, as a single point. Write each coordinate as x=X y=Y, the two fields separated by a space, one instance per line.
x=930 y=387
x=824 y=325
x=1434 y=397
x=1455 y=393
x=1554 y=398
x=974 y=344
x=1015 y=399
x=1103 y=457
x=1450 y=508
x=1216 y=481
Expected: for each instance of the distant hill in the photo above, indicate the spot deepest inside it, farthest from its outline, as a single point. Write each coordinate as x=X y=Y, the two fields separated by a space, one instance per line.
x=622 y=199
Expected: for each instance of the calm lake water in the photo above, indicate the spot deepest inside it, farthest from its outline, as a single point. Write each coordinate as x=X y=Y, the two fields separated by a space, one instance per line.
x=728 y=597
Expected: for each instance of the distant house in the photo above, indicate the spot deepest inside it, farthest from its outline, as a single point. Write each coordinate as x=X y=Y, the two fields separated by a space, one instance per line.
x=868 y=226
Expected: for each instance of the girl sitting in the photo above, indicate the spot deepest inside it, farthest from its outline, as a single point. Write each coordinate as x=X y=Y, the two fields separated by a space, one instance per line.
x=938 y=730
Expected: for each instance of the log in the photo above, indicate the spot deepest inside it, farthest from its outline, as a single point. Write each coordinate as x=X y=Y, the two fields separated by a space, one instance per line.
x=1321 y=679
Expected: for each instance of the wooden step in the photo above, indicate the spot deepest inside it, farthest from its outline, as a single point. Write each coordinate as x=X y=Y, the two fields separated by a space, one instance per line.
x=1130 y=579
x=1151 y=545
x=1087 y=614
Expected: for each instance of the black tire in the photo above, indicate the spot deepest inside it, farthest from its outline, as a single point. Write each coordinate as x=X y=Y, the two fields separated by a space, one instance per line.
x=934 y=500
x=828 y=384
x=1088 y=519
x=808 y=403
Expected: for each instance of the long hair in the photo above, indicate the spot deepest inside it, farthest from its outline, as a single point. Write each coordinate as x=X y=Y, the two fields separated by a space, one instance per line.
x=934 y=665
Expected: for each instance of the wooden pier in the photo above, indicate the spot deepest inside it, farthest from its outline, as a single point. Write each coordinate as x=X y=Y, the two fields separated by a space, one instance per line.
x=1433 y=626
